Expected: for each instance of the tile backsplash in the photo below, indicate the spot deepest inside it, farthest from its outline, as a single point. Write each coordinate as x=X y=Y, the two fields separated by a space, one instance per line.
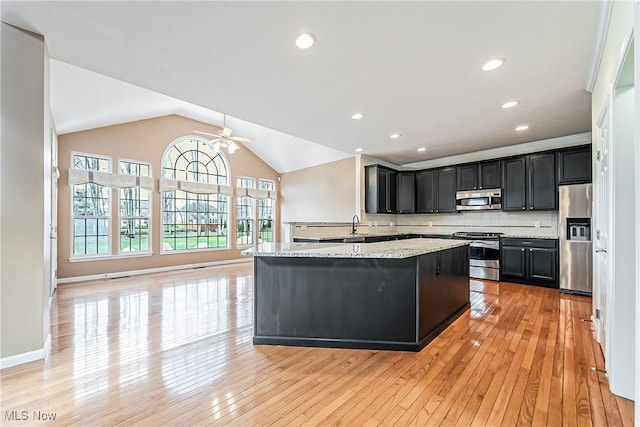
x=542 y=224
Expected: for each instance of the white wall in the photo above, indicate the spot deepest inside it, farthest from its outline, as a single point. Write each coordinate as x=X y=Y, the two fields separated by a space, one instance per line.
x=621 y=366
x=22 y=196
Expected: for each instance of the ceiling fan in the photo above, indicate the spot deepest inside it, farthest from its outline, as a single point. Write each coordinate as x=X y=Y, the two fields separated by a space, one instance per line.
x=223 y=138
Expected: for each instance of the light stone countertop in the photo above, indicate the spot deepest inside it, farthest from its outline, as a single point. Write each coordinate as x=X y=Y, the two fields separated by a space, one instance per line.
x=394 y=249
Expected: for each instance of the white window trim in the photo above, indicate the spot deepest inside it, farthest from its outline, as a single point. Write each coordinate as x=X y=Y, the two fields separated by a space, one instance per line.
x=137 y=253
x=92 y=257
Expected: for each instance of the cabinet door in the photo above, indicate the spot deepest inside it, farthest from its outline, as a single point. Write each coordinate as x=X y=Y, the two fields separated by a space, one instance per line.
x=467 y=177
x=514 y=194
x=406 y=192
x=513 y=263
x=446 y=194
x=392 y=192
x=574 y=166
x=489 y=175
x=541 y=182
x=382 y=190
x=543 y=265
x=425 y=189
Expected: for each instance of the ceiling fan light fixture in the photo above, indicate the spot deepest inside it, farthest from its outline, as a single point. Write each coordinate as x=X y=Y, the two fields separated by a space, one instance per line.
x=305 y=40
x=232 y=147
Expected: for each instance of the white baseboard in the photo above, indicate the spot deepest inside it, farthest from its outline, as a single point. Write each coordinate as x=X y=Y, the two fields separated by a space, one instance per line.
x=19 y=359
x=150 y=270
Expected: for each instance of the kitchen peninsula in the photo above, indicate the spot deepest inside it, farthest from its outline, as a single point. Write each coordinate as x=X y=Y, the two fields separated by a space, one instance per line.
x=396 y=295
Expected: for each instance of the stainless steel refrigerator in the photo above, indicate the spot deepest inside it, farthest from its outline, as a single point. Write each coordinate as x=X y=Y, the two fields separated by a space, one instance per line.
x=575 y=238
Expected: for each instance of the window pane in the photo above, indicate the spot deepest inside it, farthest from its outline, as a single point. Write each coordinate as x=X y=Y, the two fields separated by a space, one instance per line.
x=192 y=221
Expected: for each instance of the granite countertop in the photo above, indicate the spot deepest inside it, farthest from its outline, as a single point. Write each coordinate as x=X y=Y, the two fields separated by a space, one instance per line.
x=394 y=249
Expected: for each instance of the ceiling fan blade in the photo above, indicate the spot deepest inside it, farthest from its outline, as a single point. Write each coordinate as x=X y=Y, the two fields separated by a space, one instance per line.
x=204 y=133
x=241 y=139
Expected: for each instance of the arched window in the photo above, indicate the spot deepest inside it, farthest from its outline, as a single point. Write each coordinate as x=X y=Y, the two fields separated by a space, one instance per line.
x=193 y=221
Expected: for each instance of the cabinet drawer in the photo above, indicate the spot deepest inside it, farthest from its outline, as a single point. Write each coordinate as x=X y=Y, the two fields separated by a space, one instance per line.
x=533 y=243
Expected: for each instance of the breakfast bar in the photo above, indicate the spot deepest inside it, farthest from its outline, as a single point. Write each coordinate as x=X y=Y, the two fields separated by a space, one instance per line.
x=396 y=295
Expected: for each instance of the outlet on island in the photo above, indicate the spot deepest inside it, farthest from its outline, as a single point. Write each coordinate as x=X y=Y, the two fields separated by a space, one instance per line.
x=537 y=224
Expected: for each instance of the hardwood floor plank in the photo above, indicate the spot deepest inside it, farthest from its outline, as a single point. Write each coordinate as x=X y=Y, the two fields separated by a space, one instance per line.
x=176 y=349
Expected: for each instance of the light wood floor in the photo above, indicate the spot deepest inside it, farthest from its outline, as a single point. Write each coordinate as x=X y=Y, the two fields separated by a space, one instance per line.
x=176 y=349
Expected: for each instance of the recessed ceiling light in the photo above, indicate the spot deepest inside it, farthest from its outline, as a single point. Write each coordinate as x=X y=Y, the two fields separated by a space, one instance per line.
x=394 y=136
x=522 y=127
x=422 y=149
x=305 y=40
x=357 y=116
x=510 y=104
x=492 y=65
x=359 y=150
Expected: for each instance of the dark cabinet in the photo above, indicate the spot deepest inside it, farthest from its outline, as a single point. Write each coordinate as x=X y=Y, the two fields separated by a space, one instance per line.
x=490 y=175
x=381 y=189
x=529 y=183
x=530 y=261
x=406 y=192
x=478 y=176
x=574 y=165
x=425 y=191
x=446 y=186
x=436 y=190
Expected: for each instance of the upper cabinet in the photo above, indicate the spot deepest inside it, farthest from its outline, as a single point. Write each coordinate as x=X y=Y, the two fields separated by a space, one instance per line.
x=478 y=176
x=380 y=194
x=529 y=183
x=406 y=192
x=436 y=190
x=425 y=191
x=574 y=165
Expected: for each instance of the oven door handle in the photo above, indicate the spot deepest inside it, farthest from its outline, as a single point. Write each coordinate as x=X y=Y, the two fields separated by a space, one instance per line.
x=488 y=245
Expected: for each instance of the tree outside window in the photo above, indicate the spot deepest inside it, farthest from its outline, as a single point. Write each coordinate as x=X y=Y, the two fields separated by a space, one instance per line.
x=135 y=211
x=90 y=212
x=265 y=212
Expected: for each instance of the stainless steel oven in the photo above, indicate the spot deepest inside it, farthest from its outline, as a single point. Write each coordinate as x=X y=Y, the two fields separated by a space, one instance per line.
x=484 y=254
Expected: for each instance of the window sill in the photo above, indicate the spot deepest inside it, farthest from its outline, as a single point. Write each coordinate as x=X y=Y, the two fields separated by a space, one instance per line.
x=110 y=257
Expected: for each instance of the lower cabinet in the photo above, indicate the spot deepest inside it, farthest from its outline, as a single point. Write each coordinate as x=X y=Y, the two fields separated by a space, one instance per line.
x=530 y=261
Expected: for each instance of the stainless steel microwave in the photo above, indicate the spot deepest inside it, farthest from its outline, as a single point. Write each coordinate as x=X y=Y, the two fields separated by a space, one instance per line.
x=479 y=200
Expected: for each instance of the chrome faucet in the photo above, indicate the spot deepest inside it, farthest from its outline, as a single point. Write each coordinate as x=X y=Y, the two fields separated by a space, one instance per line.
x=354 y=221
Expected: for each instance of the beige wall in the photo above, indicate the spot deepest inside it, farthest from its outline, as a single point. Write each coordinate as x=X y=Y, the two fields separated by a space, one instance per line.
x=324 y=193
x=22 y=195
x=144 y=140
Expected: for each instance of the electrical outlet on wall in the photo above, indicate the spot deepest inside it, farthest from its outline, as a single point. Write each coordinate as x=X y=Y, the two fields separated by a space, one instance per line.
x=430 y=223
x=537 y=224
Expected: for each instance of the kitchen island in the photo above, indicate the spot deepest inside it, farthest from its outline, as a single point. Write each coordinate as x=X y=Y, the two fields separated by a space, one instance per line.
x=396 y=295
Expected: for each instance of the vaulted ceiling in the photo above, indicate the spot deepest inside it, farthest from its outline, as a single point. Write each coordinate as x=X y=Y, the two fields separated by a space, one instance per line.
x=411 y=67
